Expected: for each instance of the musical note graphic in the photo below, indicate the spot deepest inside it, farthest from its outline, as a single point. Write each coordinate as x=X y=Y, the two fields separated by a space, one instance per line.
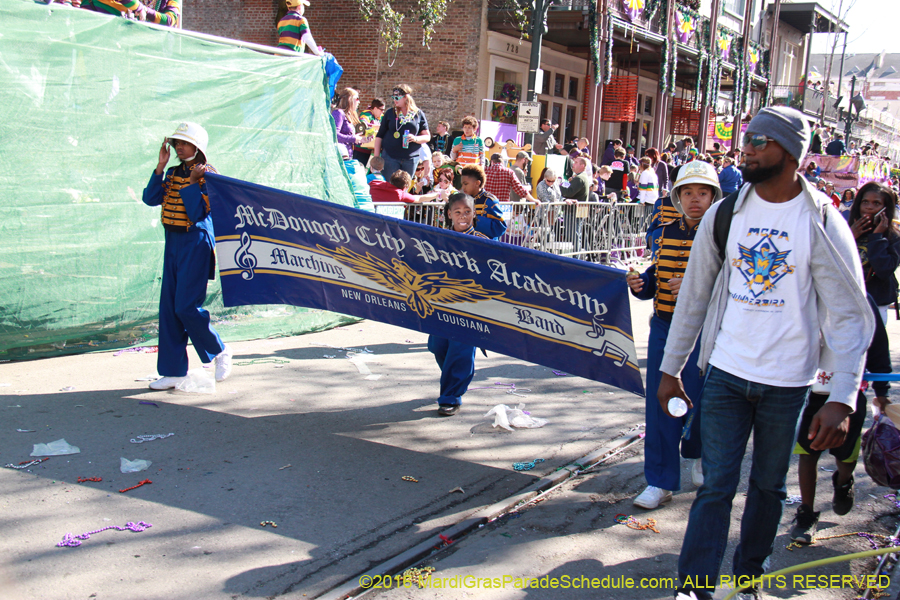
x=244 y=258
x=597 y=332
x=619 y=356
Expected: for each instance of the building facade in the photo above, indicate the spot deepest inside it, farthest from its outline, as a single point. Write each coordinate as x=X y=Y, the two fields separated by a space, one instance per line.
x=650 y=76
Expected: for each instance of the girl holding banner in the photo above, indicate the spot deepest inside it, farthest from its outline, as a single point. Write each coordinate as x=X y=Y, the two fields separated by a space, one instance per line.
x=456 y=359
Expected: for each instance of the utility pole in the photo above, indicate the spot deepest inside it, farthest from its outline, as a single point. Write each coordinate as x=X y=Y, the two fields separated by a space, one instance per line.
x=849 y=127
x=827 y=83
x=738 y=123
x=841 y=72
x=774 y=49
x=538 y=29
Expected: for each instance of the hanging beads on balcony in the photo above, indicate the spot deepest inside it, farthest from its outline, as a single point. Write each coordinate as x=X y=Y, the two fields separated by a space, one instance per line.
x=665 y=59
x=608 y=63
x=594 y=26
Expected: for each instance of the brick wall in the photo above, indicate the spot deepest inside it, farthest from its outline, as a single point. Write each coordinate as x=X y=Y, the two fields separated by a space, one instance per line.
x=443 y=77
x=246 y=20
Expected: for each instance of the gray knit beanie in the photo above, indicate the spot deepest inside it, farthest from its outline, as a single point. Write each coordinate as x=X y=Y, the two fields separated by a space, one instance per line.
x=786 y=126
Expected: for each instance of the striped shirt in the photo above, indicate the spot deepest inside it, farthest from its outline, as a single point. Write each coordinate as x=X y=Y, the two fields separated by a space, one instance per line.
x=166 y=12
x=174 y=215
x=472 y=152
x=663 y=212
x=113 y=7
x=648 y=186
x=291 y=29
x=471 y=231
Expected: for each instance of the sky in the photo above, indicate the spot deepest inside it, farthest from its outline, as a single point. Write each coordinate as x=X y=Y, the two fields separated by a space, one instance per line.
x=874 y=26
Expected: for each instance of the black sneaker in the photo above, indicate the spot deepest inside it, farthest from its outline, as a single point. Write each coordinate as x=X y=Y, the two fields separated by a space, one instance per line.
x=750 y=593
x=448 y=410
x=689 y=593
x=805 y=529
x=844 y=497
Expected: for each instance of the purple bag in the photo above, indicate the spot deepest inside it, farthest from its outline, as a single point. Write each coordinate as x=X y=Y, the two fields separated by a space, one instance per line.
x=881 y=453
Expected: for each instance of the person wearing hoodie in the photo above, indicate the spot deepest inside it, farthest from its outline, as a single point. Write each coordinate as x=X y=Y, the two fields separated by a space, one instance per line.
x=783 y=275
x=871 y=219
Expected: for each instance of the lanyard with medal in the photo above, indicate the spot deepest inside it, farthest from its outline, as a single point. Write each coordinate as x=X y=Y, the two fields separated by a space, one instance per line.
x=401 y=121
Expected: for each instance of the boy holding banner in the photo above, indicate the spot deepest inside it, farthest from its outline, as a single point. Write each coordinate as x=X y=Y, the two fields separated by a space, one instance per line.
x=695 y=190
x=456 y=359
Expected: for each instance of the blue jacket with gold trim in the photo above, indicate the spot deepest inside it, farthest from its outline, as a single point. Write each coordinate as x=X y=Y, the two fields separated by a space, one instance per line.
x=488 y=218
x=670 y=247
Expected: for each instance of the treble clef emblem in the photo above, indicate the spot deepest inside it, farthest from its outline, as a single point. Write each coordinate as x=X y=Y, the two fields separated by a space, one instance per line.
x=244 y=258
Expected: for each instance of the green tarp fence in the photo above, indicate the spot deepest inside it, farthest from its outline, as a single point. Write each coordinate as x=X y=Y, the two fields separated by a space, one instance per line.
x=85 y=102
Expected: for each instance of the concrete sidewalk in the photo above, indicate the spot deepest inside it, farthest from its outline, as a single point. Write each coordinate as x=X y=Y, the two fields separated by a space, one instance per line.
x=341 y=506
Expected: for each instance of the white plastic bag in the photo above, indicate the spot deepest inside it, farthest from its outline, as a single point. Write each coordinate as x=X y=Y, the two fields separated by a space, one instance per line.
x=198 y=381
x=58 y=448
x=500 y=418
x=133 y=466
x=507 y=418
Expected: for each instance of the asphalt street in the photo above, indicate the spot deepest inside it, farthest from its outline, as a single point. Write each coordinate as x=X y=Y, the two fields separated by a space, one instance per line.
x=334 y=438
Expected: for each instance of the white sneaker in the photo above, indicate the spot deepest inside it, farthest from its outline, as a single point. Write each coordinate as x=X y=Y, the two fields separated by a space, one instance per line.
x=223 y=364
x=652 y=497
x=166 y=383
x=697 y=473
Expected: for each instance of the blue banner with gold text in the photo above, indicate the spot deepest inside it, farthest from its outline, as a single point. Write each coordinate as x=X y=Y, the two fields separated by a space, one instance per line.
x=276 y=247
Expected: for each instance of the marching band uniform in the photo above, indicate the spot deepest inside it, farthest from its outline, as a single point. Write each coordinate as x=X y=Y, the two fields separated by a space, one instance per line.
x=457 y=363
x=671 y=247
x=670 y=243
x=189 y=262
x=489 y=221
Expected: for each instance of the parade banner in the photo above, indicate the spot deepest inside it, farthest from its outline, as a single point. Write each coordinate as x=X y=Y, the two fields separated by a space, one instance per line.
x=721 y=131
x=842 y=171
x=276 y=247
x=847 y=171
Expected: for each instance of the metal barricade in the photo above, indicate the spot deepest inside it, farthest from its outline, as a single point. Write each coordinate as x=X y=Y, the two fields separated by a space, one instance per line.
x=601 y=232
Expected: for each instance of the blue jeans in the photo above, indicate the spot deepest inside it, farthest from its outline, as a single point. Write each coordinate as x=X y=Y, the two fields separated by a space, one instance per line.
x=732 y=408
x=392 y=164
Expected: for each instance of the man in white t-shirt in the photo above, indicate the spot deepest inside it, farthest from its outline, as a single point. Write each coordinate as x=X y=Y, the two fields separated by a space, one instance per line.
x=787 y=298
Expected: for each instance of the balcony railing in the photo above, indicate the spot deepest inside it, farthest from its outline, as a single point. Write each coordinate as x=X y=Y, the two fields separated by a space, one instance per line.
x=805 y=99
x=579 y=5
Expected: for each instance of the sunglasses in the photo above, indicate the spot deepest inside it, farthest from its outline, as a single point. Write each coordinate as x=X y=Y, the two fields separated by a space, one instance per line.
x=757 y=140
